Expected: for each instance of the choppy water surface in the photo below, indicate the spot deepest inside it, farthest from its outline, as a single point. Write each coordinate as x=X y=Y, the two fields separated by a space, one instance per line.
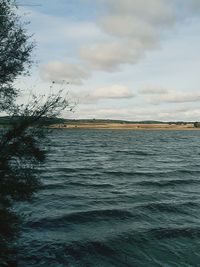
x=116 y=198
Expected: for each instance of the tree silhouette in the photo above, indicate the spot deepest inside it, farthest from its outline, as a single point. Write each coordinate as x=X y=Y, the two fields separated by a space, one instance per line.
x=21 y=148
x=15 y=52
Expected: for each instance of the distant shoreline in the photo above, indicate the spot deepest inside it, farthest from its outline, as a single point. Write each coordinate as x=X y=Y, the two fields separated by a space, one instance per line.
x=124 y=126
x=105 y=124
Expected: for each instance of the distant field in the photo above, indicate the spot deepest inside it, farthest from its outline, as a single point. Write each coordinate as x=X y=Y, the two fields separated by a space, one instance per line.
x=133 y=126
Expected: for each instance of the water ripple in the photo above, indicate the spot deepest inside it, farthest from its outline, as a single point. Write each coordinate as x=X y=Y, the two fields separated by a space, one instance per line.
x=115 y=198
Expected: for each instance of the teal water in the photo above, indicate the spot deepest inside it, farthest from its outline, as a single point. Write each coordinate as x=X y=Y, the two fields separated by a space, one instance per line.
x=115 y=198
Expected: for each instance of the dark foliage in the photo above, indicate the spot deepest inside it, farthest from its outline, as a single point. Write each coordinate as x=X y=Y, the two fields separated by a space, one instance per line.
x=15 y=51
x=21 y=148
x=197 y=124
x=21 y=151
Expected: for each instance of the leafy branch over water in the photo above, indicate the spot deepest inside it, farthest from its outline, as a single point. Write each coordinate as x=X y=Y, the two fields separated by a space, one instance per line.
x=21 y=148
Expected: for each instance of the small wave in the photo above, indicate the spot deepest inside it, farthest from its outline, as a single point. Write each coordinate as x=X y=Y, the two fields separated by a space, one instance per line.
x=167 y=232
x=74 y=254
x=168 y=182
x=52 y=186
x=128 y=174
x=76 y=169
x=138 y=173
x=188 y=171
x=169 y=207
x=78 y=184
x=82 y=217
x=135 y=152
x=170 y=232
x=103 y=185
x=114 y=249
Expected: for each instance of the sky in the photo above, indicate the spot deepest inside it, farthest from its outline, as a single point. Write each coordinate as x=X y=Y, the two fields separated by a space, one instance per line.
x=117 y=59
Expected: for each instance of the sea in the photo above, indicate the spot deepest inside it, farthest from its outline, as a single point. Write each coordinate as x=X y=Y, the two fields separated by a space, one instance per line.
x=115 y=198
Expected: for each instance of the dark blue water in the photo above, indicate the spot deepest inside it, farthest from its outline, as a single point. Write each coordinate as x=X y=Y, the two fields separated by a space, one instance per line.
x=115 y=198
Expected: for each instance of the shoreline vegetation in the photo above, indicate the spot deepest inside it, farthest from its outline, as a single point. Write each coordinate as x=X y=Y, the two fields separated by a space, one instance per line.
x=60 y=123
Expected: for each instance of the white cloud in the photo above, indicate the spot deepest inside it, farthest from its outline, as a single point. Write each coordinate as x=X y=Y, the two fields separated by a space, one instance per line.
x=135 y=113
x=115 y=91
x=138 y=113
x=153 y=91
x=170 y=96
x=109 y=56
x=59 y=72
x=111 y=92
x=178 y=97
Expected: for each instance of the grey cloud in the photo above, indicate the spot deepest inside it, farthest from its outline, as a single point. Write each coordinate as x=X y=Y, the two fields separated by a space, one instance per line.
x=157 y=95
x=59 y=72
x=159 y=11
x=133 y=28
x=189 y=7
x=110 y=55
x=127 y=26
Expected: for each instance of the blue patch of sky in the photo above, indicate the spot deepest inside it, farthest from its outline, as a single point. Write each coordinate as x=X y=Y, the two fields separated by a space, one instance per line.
x=75 y=9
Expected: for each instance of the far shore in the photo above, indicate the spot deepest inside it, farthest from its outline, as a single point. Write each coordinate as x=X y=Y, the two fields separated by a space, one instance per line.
x=124 y=126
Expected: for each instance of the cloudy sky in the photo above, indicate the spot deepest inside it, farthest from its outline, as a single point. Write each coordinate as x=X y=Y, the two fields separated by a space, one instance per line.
x=123 y=59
